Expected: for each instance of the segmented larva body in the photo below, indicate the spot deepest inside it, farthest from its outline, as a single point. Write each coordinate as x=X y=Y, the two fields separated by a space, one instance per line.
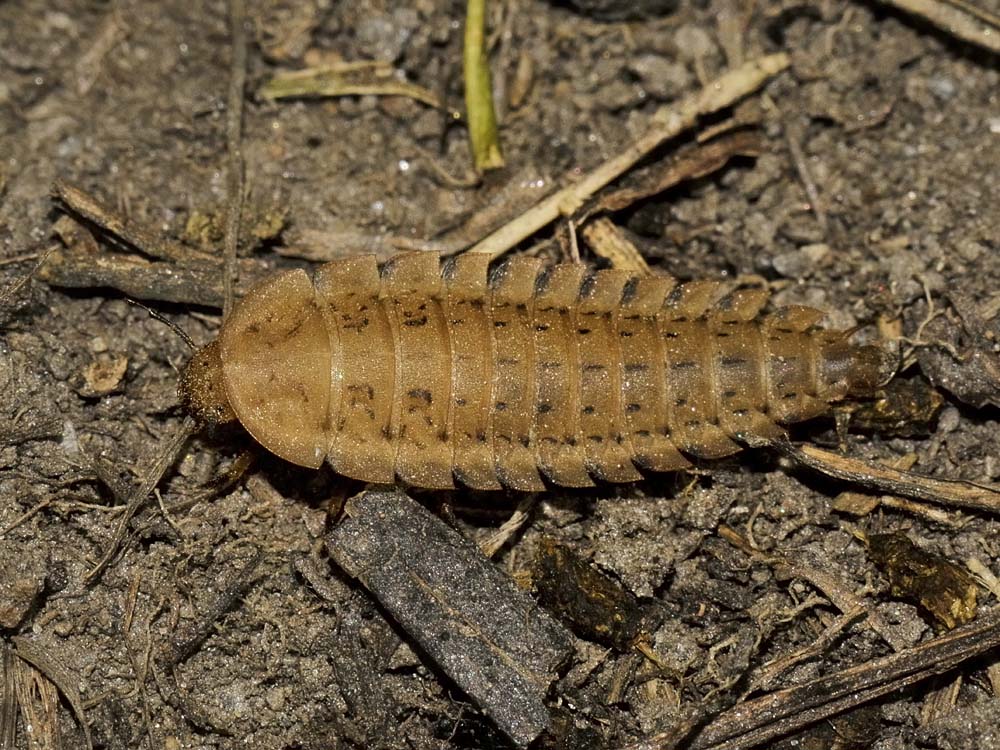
x=426 y=376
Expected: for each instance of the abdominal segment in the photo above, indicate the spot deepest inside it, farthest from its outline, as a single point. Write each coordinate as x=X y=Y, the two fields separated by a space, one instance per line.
x=427 y=375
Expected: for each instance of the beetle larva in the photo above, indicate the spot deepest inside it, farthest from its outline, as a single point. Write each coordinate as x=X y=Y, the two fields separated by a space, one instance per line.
x=427 y=376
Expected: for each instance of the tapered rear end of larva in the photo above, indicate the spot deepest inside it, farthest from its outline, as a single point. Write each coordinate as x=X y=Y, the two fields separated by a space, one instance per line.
x=808 y=368
x=845 y=369
x=275 y=353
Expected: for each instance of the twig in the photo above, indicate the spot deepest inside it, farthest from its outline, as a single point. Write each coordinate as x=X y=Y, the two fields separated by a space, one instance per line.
x=609 y=241
x=29 y=652
x=117 y=226
x=8 y=700
x=42 y=505
x=345 y=79
x=773 y=669
x=949 y=492
x=493 y=543
x=784 y=711
x=836 y=590
x=479 y=110
x=18 y=259
x=802 y=167
x=230 y=591
x=19 y=284
x=668 y=122
x=960 y=19
x=163 y=462
x=234 y=131
x=135 y=277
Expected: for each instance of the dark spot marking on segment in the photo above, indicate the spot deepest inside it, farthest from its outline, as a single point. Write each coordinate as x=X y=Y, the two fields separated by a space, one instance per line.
x=422 y=394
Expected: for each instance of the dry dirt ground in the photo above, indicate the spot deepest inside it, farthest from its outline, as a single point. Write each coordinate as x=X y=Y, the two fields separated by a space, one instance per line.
x=898 y=126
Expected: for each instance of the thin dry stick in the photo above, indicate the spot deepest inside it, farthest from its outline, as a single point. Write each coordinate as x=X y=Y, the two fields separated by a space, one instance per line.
x=838 y=592
x=234 y=129
x=16 y=287
x=770 y=672
x=961 y=20
x=27 y=515
x=492 y=544
x=31 y=652
x=164 y=461
x=8 y=699
x=374 y=78
x=948 y=492
x=667 y=123
x=114 y=224
x=756 y=722
x=802 y=167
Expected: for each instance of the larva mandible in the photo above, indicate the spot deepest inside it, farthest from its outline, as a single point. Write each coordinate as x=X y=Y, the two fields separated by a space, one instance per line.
x=429 y=376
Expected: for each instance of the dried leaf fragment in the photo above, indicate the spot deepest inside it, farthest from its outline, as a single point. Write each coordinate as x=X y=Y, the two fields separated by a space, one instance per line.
x=594 y=605
x=942 y=588
x=103 y=375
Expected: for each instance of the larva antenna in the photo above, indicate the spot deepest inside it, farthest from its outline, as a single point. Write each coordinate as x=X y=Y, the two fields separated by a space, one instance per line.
x=169 y=323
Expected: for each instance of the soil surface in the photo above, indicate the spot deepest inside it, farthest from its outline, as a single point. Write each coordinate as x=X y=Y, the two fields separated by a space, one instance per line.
x=876 y=196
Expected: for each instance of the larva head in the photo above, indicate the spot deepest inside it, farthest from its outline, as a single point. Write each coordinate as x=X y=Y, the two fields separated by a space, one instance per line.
x=270 y=368
x=850 y=370
x=201 y=390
